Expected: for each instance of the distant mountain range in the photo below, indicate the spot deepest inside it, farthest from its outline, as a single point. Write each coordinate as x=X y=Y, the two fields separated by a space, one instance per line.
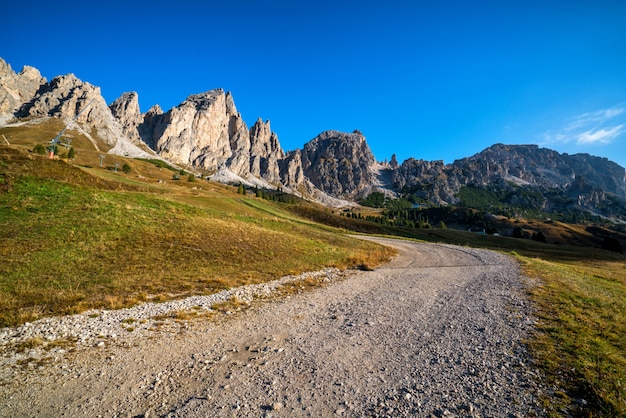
x=206 y=133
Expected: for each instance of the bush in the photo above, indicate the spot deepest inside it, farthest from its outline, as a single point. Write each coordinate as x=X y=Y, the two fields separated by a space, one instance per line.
x=126 y=168
x=374 y=200
x=39 y=149
x=71 y=153
x=539 y=237
x=191 y=178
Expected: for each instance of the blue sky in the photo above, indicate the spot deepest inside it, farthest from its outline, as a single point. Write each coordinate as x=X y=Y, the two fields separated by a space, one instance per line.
x=426 y=79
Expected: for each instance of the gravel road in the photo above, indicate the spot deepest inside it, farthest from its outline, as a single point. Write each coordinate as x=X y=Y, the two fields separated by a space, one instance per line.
x=436 y=332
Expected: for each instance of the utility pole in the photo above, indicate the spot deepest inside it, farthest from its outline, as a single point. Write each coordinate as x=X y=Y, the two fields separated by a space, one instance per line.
x=5 y=138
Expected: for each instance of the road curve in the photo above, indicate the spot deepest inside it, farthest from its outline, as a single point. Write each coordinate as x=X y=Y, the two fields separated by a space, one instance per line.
x=437 y=331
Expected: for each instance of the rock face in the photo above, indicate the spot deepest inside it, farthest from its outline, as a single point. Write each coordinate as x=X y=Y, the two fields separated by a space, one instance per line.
x=339 y=163
x=549 y=179
x=126 y=110
x=265 y=152
x=206 y=131
x=292 y=174
x=17 y=89
x=531 y=165
x=196 y=132
x=65 y=97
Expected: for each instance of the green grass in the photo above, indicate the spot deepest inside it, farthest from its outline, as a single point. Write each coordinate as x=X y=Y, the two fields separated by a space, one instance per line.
x=581 y=338
x=71 y=240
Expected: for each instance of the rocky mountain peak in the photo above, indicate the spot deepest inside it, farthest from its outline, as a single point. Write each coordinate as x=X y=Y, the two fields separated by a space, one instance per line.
x=339 y=163
x=64 y=97
x=17 y=89
x=126 y=110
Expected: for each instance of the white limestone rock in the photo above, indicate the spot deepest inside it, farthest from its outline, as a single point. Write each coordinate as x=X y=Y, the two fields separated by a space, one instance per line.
x=17 y=88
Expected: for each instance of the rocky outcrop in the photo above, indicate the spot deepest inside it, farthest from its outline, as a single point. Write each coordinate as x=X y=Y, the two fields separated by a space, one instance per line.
x=534 y=166
x=65 y=97
x=17 y=89
x=126 y=110
x=292 y=174
x=265 y=152
x=207 y=132
x=340 y=164
x=146 y=128
x=522 y=175
x=195 y=133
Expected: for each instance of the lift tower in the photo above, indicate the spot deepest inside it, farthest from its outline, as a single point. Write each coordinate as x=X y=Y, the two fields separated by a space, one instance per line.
x=57 y=139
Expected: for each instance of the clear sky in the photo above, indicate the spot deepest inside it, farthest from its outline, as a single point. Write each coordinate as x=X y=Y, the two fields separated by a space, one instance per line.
x=434 y=80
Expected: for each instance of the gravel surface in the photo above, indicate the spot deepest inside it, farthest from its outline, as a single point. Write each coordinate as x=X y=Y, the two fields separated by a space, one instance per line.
x=436 y=332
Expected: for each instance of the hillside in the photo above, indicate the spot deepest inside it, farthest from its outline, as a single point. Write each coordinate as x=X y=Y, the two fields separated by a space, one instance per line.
x=76 y=234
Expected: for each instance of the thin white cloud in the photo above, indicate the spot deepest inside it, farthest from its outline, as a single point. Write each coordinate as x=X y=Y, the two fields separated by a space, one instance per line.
x=600 y=136
x=600 y=127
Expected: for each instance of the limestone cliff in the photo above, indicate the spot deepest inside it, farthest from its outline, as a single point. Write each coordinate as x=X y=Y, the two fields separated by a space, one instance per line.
x=17 y=89
x=207 y=132
x=126 y=110
x=340 y=164
x=64 y=97
x=196 y=132
x=265 y=152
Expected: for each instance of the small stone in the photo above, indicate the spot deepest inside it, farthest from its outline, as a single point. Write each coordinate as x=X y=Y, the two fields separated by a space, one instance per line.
x=277 y=406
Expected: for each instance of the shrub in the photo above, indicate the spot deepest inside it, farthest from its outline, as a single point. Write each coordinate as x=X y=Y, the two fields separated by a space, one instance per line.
x=39 y=149
x=374 y=200
x=539 y=237
x=126 y=168
x=191 y=178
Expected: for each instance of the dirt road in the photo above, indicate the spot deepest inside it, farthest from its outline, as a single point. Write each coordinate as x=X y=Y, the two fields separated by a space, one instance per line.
x=436 y=332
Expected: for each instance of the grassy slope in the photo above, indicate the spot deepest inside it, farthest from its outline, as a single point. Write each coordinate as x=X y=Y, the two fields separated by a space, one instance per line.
x=76 y=238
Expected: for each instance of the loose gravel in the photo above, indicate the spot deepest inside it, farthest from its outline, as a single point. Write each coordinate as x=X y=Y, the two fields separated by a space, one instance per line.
x=437 y=332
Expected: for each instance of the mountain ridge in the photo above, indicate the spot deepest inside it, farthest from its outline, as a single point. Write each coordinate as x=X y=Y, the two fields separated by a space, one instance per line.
x=206 y=132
